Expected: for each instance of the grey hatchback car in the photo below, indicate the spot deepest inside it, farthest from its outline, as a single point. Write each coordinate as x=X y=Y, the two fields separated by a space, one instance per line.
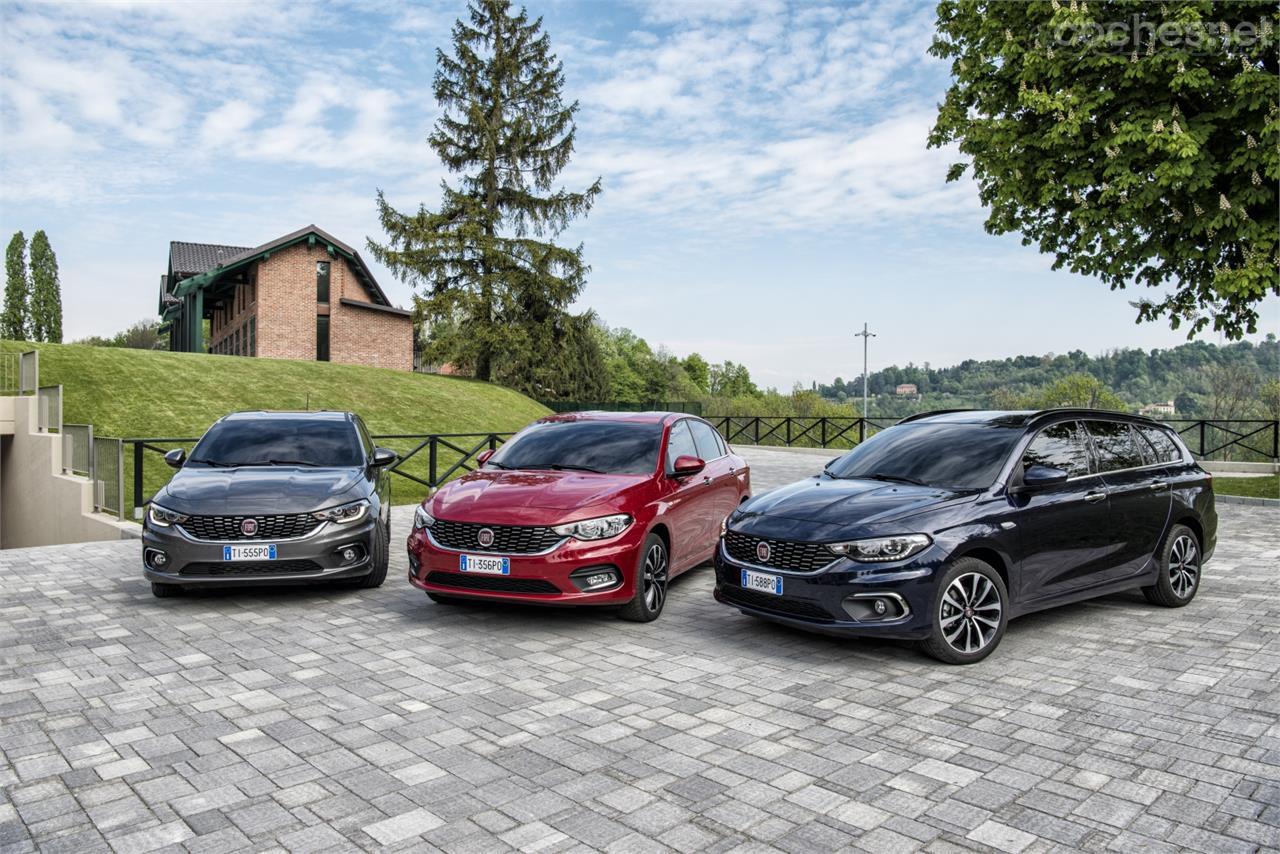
x=270 y=498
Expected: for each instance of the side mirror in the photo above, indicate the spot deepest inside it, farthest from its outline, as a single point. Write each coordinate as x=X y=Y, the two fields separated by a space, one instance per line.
x=1039 y=476
x=384 y=457
x=176 y=458
x=686 y=465
x=483 y=456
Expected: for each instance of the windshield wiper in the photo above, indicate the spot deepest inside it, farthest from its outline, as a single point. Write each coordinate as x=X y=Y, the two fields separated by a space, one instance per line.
x=495 y=464
x=305 y=463
x=563 y=467
x=208 y=462
x=893 y=478
x=829 y=473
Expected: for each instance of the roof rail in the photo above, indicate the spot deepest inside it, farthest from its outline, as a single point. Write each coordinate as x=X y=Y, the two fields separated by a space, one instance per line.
x=1084 y=412
x=920 y=415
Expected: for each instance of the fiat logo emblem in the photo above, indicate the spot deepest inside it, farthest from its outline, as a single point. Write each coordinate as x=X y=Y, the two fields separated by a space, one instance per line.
x=763 y=552
x=485 y=537
x=249 y=527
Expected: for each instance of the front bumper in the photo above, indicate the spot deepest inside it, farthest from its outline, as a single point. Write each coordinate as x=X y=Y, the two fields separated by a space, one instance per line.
x=822 y=601
x=535 y=579
x=316 y=557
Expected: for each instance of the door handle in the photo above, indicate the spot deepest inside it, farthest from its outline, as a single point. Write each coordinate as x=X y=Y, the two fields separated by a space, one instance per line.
x=1094 y=497
x=1158 y=484
x=706 y=479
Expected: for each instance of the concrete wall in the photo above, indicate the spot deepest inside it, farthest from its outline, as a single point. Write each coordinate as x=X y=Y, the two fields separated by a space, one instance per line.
x=39 y=506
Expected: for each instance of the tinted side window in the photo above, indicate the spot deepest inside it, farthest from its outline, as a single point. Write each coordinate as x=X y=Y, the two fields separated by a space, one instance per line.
x=1061 y=446
x=1117 y=448
x=680 y=443
x=705 y=438
x=1166 y=450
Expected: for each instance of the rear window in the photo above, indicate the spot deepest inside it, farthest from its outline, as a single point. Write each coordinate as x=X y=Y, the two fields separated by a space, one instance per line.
x=1165 y=449
x=605 y=447
x=1117 y=446
x=325 y=443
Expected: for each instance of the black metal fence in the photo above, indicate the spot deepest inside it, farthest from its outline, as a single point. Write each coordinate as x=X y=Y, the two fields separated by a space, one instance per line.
x=1241 y=440
x=691 y=407
x=796 y=431
x=426 y=460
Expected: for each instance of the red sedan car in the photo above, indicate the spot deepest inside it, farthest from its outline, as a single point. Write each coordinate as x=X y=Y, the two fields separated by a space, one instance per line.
x=595 y=508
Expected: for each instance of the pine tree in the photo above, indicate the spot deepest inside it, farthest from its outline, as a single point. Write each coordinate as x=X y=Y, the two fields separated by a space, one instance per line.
x=13 y=319
x=495 y=296
x=46 y=292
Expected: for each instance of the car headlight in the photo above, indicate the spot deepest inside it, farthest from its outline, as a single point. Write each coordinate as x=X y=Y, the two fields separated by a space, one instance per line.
x=162 y=517
x=422 y=519
x=343 y=514
x=595 y=529
x=881 y=549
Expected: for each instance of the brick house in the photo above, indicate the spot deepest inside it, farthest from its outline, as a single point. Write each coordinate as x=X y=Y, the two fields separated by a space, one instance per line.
x=306 y=295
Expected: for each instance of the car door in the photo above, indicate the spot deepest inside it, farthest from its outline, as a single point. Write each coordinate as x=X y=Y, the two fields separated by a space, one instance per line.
x=721 y=475
x=690 y=502
x=1138 y=492
x=1064 y=531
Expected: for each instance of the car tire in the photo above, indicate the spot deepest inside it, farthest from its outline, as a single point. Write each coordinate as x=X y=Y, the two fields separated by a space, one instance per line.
x=380 y=558
x=970 y=613
x=1179 y=568
x=165 y=591
x=652 y=575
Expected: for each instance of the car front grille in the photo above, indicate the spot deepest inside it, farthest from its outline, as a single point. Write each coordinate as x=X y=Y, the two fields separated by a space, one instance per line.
x=235 y=569
x=508 y=539
x=783 y=554
x=491 y=583
x=270 y=527
x=775 y=604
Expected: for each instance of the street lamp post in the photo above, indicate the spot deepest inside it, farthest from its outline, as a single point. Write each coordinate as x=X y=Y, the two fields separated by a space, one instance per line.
x=866 y=336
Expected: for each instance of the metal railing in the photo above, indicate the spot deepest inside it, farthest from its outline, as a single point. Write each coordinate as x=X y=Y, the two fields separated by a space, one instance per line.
x=77 y=449
x=49 y=409
x=690 y=407
x=427 y=459
x=19 y=372
x=1237 y=440
x=108 y=476
x=796 y=431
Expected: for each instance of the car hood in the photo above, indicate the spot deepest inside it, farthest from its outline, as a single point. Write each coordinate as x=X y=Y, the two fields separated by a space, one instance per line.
x=493 y=496
x=259 y=489
x=835 y=504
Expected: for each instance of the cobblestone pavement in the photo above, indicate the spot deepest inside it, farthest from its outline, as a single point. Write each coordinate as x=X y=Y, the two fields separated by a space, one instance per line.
x=311 y=719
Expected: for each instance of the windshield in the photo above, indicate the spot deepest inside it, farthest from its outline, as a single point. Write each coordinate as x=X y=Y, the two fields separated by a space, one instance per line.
x=605 y=447
x=280 y=441
x=949 y=456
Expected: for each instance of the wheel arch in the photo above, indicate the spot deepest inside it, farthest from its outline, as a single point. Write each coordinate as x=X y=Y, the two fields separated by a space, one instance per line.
x=990 y=556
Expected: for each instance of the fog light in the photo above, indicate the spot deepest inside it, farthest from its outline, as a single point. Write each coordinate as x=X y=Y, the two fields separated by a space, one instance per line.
x=348 y=555
x=156 y=558
x=593 y=578
x=880 y=607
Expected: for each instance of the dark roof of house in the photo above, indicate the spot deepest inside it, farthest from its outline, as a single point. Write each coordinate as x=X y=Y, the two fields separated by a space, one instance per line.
x=187 y=259
x=235 y=256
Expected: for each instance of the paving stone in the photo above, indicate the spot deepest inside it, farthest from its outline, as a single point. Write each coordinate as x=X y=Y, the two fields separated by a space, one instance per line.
x=312 y=719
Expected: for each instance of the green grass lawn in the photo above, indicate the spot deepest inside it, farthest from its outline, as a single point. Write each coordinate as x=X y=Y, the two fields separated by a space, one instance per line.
x=1252 y=487
x=141 y=393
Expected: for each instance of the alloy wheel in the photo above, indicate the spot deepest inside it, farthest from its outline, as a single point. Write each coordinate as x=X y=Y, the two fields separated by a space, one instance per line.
x=970 y=613
x=1184 y=566
x=655 y=577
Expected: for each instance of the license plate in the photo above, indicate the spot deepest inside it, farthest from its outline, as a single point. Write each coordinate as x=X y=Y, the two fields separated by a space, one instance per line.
x=762 y=582
x=484 y=564
x=266 y=552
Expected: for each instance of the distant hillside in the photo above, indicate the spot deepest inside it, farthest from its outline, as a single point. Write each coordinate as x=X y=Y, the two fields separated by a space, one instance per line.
x=130 y=393
x=1184 y=374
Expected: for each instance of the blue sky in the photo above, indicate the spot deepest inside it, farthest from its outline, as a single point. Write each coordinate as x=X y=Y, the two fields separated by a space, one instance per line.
x=766 y=182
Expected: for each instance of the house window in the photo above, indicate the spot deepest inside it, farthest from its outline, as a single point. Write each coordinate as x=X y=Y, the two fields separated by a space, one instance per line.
x=322 y=338
x=253 y=336
x=237 y=342
x=322 y=281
